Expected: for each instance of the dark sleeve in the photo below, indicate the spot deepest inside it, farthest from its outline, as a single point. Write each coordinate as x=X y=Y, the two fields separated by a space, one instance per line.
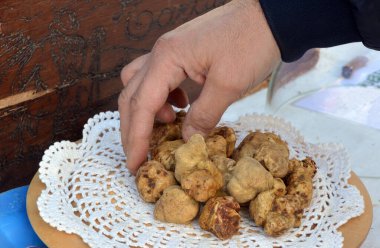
x=298 y=25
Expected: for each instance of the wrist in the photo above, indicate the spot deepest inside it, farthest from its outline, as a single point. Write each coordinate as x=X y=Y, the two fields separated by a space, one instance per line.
x=256 y=19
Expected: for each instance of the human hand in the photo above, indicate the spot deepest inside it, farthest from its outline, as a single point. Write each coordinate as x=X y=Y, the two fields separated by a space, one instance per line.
x=227 y=50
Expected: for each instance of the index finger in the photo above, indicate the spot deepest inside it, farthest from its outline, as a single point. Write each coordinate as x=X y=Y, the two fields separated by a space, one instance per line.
x=161 y=78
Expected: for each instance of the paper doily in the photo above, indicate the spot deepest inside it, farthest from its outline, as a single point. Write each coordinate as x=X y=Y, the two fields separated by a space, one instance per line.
x=90 y=192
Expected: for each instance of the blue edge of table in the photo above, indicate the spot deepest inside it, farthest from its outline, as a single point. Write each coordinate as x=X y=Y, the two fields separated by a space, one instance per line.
x=15 y=228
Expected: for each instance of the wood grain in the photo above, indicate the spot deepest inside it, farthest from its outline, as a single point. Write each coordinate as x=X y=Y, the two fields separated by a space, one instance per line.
x=354 y=232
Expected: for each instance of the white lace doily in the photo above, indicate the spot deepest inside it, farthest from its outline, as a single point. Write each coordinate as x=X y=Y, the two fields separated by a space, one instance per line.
x=89 y=192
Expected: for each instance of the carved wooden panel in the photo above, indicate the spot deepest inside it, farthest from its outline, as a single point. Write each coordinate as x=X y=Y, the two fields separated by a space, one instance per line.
x=60 y=63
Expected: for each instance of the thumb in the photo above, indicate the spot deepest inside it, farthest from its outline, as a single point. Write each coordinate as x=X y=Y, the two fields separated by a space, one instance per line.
x=207 y=110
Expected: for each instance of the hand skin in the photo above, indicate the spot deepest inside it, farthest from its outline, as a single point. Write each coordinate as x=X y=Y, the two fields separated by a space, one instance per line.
x=227 y=50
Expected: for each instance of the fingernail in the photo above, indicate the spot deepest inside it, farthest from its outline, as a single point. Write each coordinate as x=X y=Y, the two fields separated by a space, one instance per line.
x=131 y=170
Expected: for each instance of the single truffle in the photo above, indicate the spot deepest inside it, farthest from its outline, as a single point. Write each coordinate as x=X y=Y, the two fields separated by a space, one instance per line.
x=263 y=203
x=175 y=206
x=167 y=131
x=189 y=155
x=164 y=153
x=274 y=157
x=249 y=178
x=268 y=149
x=216 y=145
x=229 y=135
x=152 y=179
x=225 y=166
x=221 y=216
x=199 y=177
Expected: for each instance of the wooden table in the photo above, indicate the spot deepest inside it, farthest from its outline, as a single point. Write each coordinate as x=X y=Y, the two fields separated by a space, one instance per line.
x=354 y=232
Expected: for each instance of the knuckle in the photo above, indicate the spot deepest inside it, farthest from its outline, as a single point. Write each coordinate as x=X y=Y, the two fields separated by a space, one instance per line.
x=166 y=43
x=125 y=74
x=122 y=97
x=134 y=103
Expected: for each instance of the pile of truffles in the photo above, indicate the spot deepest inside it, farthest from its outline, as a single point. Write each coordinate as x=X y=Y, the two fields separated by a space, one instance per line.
x=211 y=175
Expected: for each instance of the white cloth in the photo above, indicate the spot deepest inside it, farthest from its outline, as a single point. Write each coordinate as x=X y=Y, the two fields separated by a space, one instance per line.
x=89 y=192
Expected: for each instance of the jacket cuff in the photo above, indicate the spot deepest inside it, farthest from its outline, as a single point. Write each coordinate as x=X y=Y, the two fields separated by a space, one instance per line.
x=298 y=25
x=367 y=15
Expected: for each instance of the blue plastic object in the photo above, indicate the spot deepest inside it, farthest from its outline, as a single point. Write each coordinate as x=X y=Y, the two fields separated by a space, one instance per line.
x=15 y=228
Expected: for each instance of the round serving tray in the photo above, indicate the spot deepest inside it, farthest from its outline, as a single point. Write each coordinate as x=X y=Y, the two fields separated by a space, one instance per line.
x=355 y=231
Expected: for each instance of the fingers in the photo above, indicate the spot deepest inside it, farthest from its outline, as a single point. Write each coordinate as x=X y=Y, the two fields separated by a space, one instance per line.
x=131 y=75
x=206 y=111
x=124 y=106
x=166 y=114
x=123 y=110
x=151 y=95
x=132 y=68
x=177 y=98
